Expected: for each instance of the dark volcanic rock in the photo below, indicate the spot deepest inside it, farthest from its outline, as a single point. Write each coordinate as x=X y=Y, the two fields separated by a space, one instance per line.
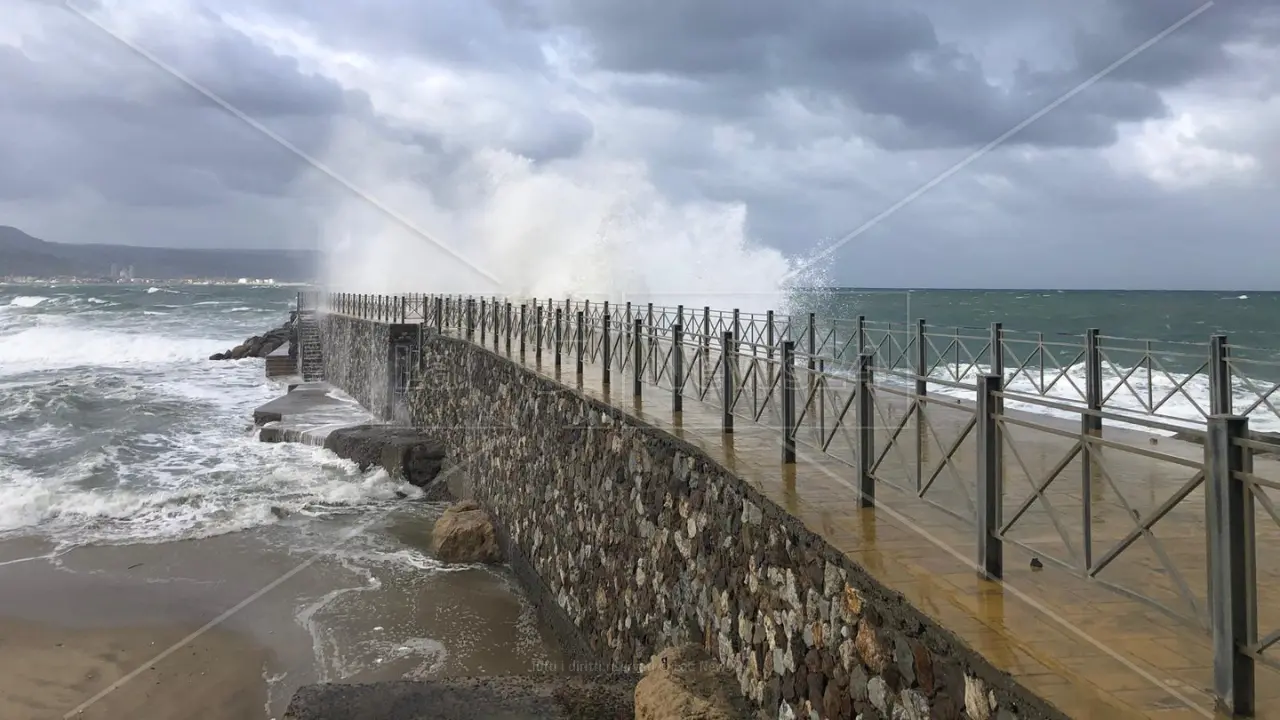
x=509 y=697
x=260 y=345
x=405 y=453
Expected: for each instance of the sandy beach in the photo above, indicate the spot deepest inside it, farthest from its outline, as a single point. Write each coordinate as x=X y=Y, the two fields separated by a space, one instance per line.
x=74 y=624
x=49 y=671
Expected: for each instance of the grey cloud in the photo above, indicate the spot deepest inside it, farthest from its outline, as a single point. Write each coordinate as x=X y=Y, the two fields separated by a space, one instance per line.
x=463 y=32
x=887 y=60
x=922 y=82
x=545 y=136
x=107 y=119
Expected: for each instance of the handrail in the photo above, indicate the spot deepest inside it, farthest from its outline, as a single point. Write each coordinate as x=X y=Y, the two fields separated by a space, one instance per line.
x=950 y=418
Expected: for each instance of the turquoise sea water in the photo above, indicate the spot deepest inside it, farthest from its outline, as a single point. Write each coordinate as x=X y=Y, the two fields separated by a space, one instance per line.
x=1249 y=319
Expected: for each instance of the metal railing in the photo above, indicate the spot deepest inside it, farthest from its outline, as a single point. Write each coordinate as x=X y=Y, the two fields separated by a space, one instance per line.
x=999 y=431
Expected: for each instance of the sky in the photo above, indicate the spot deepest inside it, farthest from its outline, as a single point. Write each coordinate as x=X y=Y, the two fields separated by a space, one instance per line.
x=839 y=141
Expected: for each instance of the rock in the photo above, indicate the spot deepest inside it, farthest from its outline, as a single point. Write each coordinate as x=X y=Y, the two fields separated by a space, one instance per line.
x=465 y=534
x=405 y=453
x=878 y=693
x=871 y=647
x=975 y=698
x=681 y=683
x=260 y=345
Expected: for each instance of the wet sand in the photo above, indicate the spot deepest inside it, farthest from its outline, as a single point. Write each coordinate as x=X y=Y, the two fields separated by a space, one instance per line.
x=375 y=608
x=47 y=671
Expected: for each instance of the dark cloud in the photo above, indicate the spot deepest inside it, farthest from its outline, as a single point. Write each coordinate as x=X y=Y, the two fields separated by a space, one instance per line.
x=815 y=116
x=887 y=60
x=462 y=32
x=96 y=114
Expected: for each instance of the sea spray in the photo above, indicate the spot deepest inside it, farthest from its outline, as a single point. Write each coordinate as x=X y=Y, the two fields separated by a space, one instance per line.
x=588 y=228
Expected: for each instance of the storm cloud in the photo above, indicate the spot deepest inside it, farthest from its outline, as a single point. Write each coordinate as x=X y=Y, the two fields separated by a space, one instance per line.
x=811 y=118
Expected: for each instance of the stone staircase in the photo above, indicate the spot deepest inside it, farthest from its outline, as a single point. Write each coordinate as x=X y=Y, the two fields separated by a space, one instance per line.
x=310 y=359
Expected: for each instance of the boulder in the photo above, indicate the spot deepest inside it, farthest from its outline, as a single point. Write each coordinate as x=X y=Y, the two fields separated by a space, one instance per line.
x=259 y=345
x=682 y=683
x=465 y=534
x=405 y=453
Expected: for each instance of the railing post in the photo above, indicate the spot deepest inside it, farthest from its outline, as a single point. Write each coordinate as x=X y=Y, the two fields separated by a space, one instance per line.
x=471 y=318
x=483 y=320
x=537 y=333
x=996 y=356
x=706 y=341
x=1220 y=401
x=860 y=329
x=627 y=326
x=726 y=370
x=865 y=416
x=606 y=343
x=922 y=392
x=1229 y=521
x=648 y=345
x=404 y=309
x=524 y=326
x=559 y=336
x=1093 y=376
x=637 y=358
x=1090 y=426
x=990 y=546
x=788 y=398
x=677 y=368
x=769 y=339
x=812 y=333
x=497 y=322
x=439 y=314
x=579 y=343
x=508 y=321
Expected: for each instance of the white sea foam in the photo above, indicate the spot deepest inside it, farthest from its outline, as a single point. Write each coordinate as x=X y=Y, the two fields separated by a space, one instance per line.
x=179 y=496
x=27 y=301
x=52 y=348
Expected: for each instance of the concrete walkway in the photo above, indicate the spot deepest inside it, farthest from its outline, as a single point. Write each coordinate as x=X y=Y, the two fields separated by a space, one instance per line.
x=1092 y=650
x=307 y=414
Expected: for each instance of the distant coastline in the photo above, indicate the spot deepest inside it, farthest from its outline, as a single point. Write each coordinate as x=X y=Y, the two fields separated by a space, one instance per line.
x=71 y=280
x=25 y=257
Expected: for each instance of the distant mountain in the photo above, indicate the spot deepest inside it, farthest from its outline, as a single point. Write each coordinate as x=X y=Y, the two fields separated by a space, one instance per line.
x=23 y=255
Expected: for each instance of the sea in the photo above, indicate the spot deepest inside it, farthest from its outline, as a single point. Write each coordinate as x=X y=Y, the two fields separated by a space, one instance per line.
x=115 y=427
x=129 y=470
x=117 y=431
x=1154 y=345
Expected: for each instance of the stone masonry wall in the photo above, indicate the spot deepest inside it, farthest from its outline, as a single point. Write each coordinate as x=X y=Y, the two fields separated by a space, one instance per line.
x=355 y=359
x=644 y=543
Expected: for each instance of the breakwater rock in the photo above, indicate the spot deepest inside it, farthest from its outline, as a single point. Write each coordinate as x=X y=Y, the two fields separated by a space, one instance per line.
x=542 y=696
x=260 y=346
x=465 y=534
x=405 y=453
x=682 y=682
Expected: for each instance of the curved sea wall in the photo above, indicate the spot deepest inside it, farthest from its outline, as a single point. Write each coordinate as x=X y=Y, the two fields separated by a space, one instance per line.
x=643 y=543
